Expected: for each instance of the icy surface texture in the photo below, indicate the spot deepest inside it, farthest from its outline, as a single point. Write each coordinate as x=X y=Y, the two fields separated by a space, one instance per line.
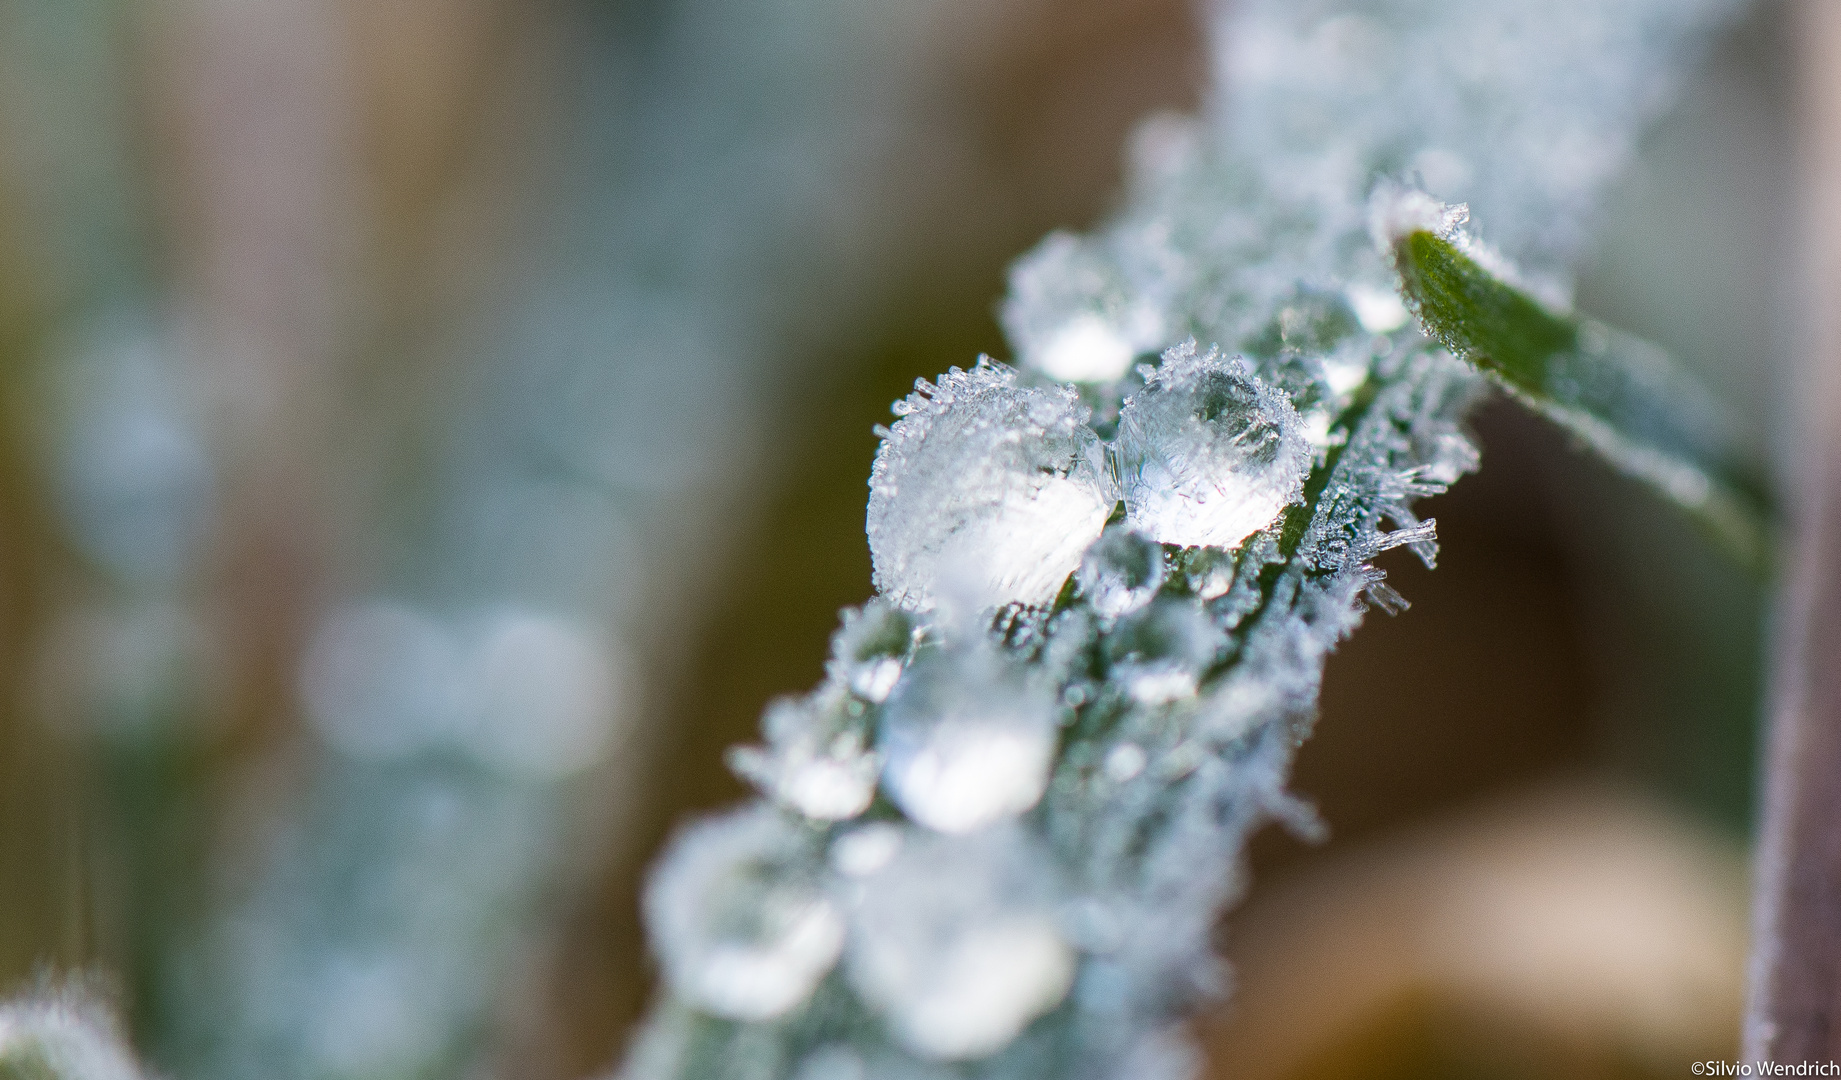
x=1521 y=110
x=985 y=492
x=1113 y=624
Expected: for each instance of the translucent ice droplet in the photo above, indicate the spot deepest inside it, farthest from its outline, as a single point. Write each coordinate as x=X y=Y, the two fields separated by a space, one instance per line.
x=1086 y=349
x=1207 y=453
x=817 y=760
x=956 y=942
x=1121 y=572
x=741 y=926
x=1380 y=311
x=985 y=492
x=1161 y=653
x=968 y=741
x=1072 y=314
x=864 y=850
x=868 y=651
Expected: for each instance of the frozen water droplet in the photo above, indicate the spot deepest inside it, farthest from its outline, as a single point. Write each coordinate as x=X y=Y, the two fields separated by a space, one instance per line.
x=1210 y=570
x=1160 y=654
x=875 y=679
x=985 y=492
x=863 y=851
x=1207 y=453
x=1074 y=317
x=968 y=741
x=868 y=650
x=742 y=928
x=817 y=761
x=957 y=943
x=1380 y=311
x=1121 y=572
x=1087 y=349
x=1343 y=376
x=1317 y=427
x=1124 y=762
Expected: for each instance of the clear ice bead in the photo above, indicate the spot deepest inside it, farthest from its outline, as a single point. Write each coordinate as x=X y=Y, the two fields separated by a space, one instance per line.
x=741 y=924
x=817 y=760
x=1072 y=315
x=968 y=740
x=985 y=493
x=1121 y=572
x=1207 y=453
x=1161 y=653
x=868 y=651
x=956 y=942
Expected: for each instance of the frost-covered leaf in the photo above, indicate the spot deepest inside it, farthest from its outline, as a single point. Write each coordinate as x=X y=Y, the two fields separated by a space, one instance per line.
x=1622 y=397
x=1106 y=607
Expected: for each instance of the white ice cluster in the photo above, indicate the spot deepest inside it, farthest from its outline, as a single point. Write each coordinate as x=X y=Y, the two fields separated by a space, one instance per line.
x=988 y=493
x=1111 y=577
x=62 y=1036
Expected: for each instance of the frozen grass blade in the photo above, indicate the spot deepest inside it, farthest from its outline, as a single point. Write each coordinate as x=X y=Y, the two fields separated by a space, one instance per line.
x=1622 y=397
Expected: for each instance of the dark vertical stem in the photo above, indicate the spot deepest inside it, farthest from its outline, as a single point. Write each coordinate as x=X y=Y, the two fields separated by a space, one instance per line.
x=1794 y=1012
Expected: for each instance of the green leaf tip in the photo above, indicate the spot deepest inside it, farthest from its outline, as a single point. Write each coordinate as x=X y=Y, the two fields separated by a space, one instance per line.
x=1624 y=398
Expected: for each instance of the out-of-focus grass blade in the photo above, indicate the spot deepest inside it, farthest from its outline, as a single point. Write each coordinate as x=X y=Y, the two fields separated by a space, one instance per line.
x=1621 y=396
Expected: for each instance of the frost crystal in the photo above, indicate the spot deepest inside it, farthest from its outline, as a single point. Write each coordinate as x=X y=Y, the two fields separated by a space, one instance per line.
x=985 y=492
x=741 y=931
x=1208 y=454
x=957 y=942
x=969 y=740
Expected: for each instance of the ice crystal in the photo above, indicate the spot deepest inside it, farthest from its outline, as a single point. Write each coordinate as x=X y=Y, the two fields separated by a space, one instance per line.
x=1208 y=453
x=969 y=737
x=1121 y=572
x=956 y=940
x=985 y=492
x=1071 y=768
x=741 y=931
x=818 y=762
